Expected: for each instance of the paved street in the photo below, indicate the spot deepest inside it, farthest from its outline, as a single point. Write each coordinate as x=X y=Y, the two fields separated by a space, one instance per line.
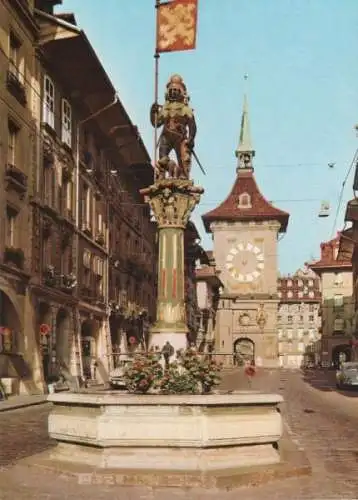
x=323 y=421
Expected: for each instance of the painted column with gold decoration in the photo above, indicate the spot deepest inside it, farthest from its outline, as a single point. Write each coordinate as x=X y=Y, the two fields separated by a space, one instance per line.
x=172 y=201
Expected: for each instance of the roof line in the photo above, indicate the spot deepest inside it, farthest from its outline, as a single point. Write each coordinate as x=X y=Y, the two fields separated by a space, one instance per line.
x=331 y=266
x=65 y=24
x=277 y=211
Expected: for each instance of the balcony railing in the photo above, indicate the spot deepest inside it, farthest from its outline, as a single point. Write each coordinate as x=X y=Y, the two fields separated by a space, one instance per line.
x=228 y=360
x=14 y=256
x=90 y=294
x=54 y=279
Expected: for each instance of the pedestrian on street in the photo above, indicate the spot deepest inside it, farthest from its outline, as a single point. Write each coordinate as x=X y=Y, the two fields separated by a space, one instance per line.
x=250 y=371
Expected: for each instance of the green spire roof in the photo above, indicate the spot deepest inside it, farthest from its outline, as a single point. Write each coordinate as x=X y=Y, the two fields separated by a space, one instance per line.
x=245 y=145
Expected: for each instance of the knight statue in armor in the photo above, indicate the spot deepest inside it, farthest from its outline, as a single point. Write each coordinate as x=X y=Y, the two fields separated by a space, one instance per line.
x=179 y=130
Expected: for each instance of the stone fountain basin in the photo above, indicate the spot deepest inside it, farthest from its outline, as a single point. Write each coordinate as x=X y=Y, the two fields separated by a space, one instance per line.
x=171 y=433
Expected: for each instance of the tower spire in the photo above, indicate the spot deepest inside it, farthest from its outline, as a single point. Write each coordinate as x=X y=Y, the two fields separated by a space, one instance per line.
x=245 y=151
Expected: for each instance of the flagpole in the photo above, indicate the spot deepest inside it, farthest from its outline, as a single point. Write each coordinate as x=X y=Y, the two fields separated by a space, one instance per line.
x=156 y=84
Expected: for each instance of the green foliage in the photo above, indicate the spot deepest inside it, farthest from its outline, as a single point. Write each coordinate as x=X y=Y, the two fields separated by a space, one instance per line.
x=143 y=373
x=178 y=381
x=190 y=374
x=204 y=370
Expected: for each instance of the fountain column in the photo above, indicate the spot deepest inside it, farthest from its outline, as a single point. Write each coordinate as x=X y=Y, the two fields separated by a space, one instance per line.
x=172 y=202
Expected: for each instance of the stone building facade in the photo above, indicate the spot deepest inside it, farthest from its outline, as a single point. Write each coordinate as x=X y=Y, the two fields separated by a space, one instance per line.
x=193 y=253
x=245 y=229
x=88 y=267
x=337 y=302
x=348 y=251
x=208 y=286
x=18 y=97
x=299 y=319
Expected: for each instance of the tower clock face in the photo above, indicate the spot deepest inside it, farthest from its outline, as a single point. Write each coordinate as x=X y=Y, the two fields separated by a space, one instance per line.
x=245 y=262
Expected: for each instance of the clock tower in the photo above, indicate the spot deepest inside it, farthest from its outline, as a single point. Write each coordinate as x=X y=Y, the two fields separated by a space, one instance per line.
x=245 y=229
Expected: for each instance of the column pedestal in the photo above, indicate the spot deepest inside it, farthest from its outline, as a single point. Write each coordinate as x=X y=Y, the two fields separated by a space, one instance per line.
x=172 y=202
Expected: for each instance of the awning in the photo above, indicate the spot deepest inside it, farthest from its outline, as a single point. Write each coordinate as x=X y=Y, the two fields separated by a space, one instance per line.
x=13 y=366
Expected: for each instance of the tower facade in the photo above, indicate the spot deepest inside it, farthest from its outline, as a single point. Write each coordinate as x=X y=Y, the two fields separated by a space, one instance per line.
x=245 y=230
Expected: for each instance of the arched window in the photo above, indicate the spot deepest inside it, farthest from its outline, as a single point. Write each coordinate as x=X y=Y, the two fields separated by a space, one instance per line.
x=244 y=200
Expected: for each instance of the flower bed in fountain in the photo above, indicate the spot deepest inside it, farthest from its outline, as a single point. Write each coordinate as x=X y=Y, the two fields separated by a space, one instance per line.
x=190 y=373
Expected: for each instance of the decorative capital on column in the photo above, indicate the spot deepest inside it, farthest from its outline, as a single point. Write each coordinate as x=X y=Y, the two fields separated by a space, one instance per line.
x=172 y=201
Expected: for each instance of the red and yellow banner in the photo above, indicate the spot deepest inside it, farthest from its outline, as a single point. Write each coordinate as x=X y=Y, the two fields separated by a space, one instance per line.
x=176 y=25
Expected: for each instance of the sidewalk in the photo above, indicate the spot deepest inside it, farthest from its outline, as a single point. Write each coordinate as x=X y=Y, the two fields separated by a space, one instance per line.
x=22 y=401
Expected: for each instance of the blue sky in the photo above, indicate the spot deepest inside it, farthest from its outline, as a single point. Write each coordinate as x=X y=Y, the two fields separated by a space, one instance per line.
x=301 y=58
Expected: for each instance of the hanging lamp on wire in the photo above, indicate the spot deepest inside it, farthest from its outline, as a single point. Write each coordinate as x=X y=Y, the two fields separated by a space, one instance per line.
x=324 y=210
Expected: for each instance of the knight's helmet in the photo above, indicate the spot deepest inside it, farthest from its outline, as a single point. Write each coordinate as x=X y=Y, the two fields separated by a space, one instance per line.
x=176 y=89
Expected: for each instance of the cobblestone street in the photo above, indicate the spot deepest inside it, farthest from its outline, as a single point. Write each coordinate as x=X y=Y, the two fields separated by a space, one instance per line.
x=320 y=419
x=23 y=432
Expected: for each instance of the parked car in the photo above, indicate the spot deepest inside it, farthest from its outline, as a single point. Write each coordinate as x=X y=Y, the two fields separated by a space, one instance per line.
x=347 y=375
x=116 y=379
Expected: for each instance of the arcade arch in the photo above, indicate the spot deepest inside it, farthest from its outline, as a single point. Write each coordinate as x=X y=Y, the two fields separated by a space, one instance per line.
x=10 y=326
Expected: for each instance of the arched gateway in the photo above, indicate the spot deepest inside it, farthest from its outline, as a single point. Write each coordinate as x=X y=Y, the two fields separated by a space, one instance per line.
x=340 y=354
x=244 y=350
x=10 y=325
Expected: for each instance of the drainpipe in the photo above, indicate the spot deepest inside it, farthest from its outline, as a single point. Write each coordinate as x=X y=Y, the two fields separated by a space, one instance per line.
x=109 y=357
x=77 y=215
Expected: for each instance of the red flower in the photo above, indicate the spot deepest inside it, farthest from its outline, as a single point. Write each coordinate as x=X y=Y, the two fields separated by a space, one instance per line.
x=250 y=371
